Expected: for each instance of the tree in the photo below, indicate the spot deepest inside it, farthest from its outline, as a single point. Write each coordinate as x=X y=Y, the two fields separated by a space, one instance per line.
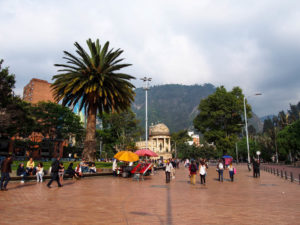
x=7 y=83
x=120 y=130
x=92 y=81
x=15 y=115
x=220 y=117
x=56 y=121
x=289 y=140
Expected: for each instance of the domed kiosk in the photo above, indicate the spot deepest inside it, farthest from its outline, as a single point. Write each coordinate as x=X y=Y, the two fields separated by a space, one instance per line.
x=159 y=141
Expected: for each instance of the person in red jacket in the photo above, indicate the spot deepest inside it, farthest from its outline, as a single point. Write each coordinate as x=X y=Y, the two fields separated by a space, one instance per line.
x=193 y=171
x=5 y=170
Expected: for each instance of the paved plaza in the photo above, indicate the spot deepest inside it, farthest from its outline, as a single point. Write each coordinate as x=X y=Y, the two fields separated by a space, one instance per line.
x=110 y=200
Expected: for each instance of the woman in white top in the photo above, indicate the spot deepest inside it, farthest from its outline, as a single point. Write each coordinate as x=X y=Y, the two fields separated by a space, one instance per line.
x=202 y=172
x=39 y=172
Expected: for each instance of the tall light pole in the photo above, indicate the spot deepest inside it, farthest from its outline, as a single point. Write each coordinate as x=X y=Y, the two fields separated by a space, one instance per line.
x=246 y=128
x=146 y=88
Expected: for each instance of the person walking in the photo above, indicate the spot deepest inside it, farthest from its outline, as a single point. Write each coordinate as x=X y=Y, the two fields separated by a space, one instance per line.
x=231 y=171
x=220 y=169
x=202 y=172
x=193 y=171
x=114 y=168
x=168 y=170
x=54 y=175
x=256 y=165
x=5 y=170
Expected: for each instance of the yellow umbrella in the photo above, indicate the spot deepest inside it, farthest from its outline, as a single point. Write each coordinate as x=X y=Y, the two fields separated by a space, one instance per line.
x=126 y=156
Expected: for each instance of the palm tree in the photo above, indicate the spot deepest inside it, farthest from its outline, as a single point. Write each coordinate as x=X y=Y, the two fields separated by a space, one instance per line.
x=92 y=81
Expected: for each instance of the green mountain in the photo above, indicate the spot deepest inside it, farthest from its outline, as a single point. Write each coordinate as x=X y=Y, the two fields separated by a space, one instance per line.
x=173 y=104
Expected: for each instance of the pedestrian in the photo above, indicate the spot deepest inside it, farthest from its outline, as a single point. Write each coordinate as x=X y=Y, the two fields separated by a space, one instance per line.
x=168 y=170
x=202 y=172
x=54 y=175
x=61 y=172
x=5 y=170
x=231 y=171
x=255 y=168
x=39 y=172
x=114 y=167
x=220 y=169
x=193 y=171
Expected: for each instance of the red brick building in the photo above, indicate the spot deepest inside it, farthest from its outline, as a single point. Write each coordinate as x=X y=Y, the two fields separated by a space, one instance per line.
x=38 y=90
x=35 y=91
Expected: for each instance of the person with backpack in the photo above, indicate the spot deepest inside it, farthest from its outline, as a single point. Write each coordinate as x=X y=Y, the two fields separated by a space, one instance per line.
x=193 y=171
x=220 y=169
x=54 y=171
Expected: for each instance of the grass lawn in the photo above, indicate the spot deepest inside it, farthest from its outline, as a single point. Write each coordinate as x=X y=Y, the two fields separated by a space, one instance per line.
x=66 y=164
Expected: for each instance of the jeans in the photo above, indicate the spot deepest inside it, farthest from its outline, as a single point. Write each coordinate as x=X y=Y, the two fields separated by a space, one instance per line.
x=168 y=177
x=202 y=178
x=39 y=177
x=231 y=174
x=220 y=175
x=84 y=169
x=4 y=177
x=54 y=176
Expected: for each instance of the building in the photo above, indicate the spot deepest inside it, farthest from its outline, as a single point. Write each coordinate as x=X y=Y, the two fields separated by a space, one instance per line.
x=38 y=90
x=159 y=141
x=195 y=138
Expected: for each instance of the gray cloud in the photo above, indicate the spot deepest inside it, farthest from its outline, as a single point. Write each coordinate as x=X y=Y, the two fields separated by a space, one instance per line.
x=251 y=44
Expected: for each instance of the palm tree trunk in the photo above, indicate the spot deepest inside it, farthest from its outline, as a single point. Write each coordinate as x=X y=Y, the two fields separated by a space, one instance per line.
x=90 y=138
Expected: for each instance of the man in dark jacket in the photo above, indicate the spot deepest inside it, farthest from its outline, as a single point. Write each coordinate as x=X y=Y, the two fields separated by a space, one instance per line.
x=54 y=171
x=5 y=170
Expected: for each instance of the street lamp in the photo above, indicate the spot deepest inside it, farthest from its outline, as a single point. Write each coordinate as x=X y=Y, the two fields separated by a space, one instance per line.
x=246 y=128
x=146 y=88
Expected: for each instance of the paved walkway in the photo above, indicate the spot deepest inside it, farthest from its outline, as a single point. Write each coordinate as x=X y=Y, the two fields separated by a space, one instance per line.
x=109 y=200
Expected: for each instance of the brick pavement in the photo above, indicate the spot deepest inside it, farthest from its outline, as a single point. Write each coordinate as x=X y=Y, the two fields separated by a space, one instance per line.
x=109 y=200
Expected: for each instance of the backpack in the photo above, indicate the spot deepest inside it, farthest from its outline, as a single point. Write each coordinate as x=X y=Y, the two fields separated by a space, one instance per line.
x=193 y=168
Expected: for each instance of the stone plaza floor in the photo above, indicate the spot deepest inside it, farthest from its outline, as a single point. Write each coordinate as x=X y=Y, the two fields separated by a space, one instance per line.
x=109 y=200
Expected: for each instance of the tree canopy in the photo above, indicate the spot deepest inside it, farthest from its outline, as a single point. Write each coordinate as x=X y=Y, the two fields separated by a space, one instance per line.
x=92 y=80
x=220 y=117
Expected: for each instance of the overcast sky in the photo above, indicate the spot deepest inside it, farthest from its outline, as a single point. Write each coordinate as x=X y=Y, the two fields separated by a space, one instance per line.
x=251 y=44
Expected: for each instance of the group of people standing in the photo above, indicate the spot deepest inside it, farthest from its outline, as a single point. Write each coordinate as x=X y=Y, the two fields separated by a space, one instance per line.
x=200 y=166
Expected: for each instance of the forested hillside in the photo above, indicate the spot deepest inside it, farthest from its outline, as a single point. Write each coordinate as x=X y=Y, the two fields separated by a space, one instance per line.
x=175 y=105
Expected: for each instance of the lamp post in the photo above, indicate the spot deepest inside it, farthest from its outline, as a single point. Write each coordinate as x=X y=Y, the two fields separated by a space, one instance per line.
x=146 y=88
x=246 y=128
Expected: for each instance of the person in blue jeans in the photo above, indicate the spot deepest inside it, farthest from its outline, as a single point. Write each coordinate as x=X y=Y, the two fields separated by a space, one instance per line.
x=5 y=170
x=220 y=169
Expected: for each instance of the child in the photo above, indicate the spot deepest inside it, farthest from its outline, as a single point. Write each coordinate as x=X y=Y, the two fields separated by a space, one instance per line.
x=39 y=172
x=61 y=171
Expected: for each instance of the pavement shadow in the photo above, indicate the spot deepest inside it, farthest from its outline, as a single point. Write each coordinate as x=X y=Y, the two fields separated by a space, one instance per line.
x=169 y=208
x=23 y=186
